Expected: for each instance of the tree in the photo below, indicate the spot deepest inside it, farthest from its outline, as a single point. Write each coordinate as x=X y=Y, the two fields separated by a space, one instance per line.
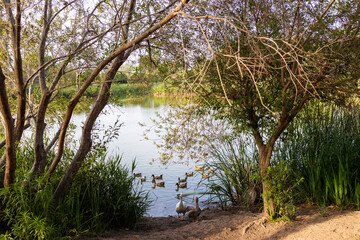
x=262 y=61
x=63 y=37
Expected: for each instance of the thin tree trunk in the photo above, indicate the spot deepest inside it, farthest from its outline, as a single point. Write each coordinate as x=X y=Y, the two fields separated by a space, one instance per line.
x=9 y=134
x=86 y=142
x=39 y=148
x=14 y=134
x=98 y=106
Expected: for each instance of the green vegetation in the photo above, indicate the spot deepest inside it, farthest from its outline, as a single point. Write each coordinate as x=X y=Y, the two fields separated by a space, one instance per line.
x=316 y=161
x=325 y=151
x=103 y=195
x=236 y=177
x=122 y=90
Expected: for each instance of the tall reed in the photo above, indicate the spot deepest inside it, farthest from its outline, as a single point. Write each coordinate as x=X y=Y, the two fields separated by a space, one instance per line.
x=325 y=149
x=235 y=175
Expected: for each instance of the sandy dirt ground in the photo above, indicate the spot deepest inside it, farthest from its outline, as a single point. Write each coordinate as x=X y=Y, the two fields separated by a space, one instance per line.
x=310 y=223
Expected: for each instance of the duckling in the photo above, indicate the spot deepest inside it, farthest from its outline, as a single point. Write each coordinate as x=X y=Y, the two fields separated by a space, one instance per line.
x=181 y=207
x=143 y=179
x=193 y=212
x=184 y=185
x=199 y=168
x=137 y=174
x=189 y=174
x=182 y=179
x=160 y=177
x=211 y=170
x=159 y=184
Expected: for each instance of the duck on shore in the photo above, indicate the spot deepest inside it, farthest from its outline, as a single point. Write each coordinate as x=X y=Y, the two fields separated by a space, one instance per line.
x=194 y=211
x=181 y=207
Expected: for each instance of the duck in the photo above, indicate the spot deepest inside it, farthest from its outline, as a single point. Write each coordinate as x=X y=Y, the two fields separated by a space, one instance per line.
x=160 y=177
x=143 y=179
x=182 y=179
x=137 y=174
x=181 y=207
x=194 y=211
x=189 y=174
x=199 y=168
x=159 y=184
x=211 y=170
x=184 y=185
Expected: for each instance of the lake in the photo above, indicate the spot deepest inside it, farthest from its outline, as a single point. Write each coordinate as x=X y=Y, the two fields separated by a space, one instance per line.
x=132 y=145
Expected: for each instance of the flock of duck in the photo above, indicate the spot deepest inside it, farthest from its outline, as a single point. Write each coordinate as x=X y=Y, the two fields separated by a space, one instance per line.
x=191 y=211
x=182 y=182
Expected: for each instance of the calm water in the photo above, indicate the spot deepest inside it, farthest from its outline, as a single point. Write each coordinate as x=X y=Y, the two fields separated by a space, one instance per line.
x=132 y=145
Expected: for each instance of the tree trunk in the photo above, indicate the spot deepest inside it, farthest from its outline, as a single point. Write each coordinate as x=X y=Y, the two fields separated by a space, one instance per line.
x=9 y=134
x=265 y=153
x=86 y=142
x=39 y=148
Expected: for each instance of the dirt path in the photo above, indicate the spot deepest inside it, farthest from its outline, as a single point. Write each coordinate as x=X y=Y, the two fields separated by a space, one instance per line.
x=311 y=223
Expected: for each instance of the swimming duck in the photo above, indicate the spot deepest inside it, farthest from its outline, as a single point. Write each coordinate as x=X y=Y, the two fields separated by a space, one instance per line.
x=137 y=174
x=181 y=207
x=160 y=177
x=159 y=184
x=143 y=179
x=193 y=212
x=199 y=168
x=184 y=185
x=189 y=174
x=182 y=179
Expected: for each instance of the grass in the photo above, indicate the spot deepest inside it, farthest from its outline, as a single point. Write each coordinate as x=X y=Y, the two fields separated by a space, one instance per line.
x=117 y=90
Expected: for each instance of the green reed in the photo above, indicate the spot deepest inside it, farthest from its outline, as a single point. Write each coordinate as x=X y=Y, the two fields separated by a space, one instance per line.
x=235 y=178
x=325 y=149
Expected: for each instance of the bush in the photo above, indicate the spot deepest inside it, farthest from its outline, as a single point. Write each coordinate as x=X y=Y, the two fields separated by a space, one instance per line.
x=104 y=194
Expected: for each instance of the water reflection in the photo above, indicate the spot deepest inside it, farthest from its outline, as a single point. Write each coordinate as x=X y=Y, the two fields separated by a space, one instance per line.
x=132 y=145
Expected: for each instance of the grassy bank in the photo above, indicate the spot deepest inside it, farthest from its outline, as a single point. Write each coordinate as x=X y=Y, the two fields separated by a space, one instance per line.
x=117 y=90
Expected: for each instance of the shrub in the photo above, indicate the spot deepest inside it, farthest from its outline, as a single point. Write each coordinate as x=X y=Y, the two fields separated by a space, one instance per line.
x=235 y=177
